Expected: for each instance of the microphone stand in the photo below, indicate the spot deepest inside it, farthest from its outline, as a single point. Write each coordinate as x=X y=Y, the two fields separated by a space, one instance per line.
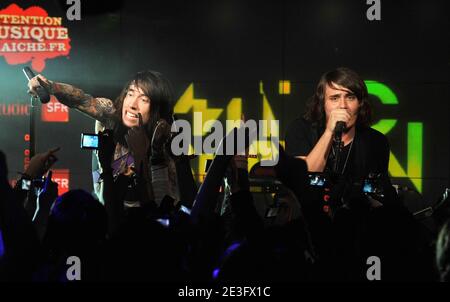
x=44 y=98
x=32 y=140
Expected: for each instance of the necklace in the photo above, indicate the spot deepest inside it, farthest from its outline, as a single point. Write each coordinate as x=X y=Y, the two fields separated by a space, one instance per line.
x=348 y=154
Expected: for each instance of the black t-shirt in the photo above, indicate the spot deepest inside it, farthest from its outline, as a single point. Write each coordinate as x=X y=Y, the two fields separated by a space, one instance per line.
x=369 y=153
x=344 y=162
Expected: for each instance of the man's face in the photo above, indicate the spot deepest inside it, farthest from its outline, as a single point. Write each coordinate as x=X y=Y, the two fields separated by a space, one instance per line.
x=135 y=102
x=338 y=97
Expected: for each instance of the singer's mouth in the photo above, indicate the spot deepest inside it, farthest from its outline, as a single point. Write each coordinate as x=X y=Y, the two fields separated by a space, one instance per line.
x=131 y=115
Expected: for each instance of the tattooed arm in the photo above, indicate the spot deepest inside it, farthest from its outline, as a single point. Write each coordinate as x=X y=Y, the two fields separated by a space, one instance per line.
x=101 y=109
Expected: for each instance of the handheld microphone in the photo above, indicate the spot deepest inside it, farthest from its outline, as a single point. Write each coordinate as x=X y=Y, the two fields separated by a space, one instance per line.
x=41 y=91
x=340 y=127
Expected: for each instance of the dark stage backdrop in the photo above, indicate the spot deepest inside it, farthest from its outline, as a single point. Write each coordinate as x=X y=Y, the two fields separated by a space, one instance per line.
x=224 y=58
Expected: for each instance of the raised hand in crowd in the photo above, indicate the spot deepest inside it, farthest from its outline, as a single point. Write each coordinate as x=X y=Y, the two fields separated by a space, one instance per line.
x=41 y=162
x=111 y=194
x=106 y=149
x=37 y=167
x=46 y=195
x=20 y=246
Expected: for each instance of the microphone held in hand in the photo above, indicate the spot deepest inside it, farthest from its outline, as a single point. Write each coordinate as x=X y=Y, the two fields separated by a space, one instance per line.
x=41 y=91
x=339 y=129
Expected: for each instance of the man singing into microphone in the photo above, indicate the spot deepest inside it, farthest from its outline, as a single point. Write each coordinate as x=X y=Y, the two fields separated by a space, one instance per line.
x=341 y=96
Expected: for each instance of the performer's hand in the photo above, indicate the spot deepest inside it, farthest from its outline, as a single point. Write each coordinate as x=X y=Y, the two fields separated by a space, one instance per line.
x=41 y=162
x=39 y=81
x=337 y=115
x=138 y=141
x=160 y=137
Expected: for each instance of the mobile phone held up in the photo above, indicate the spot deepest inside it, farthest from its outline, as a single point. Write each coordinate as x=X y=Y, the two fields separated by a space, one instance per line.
x=89 y=141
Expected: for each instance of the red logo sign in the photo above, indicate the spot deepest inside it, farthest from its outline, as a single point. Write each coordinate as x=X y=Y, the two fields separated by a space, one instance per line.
x=54 y=111
x=31 y=35
x=61 y=177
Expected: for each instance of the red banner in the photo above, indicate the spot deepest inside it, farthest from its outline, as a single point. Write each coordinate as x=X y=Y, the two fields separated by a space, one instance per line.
x=31 y=35
x=54 y=111
x=61 y=177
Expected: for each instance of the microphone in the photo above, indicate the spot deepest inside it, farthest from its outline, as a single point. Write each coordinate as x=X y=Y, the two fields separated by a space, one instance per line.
x=340 y=127
x=41 y=91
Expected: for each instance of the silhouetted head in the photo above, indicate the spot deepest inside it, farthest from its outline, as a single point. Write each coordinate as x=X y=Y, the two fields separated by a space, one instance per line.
x=77 y=222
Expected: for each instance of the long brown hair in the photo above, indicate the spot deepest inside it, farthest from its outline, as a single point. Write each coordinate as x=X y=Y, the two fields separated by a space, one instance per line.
x=347 y=78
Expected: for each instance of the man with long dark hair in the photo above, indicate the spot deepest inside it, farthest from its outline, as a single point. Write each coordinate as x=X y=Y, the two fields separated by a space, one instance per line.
x=346 y=157
x=144 y=105
x=341 y=96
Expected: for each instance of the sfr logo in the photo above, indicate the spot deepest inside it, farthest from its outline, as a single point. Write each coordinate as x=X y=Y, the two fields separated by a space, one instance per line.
x=61 y=177
x=54 y=111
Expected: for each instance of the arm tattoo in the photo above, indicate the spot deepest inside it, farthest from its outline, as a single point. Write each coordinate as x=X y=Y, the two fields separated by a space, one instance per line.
x=101 y=109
